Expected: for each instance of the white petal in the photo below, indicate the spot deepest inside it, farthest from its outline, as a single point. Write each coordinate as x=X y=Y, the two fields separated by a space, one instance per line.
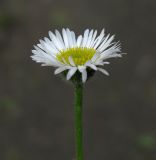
x=89 y=38
x=59 y=37
x=106 y=62
x=71 y=61
x=40 y=46
x=70 y=40
x=45 y=60
x=43 y=57
x=95 y=57
x=48 y=49
x=61 y=69
x=110 y=53
x=64 y=61
x=65 y=38
x=81 y=68
x=79 y=40
x=93 y=38
x=105 y=44
x=85 y=38
x=99 y=39
x=56 y=41
x=84 y=76
x=50 y=46
x=74 y=38
x=89 y=64
x=103 y=71
x=101 y=63
x=92 y=66
x=71 y=72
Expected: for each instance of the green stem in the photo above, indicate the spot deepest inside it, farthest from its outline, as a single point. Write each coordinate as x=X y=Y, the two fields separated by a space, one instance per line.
x=79 y=120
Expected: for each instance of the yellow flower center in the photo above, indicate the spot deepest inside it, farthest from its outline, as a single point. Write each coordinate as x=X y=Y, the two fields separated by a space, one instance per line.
x=79 y=55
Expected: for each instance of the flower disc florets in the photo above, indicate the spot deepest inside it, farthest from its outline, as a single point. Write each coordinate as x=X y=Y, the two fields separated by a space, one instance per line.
x=79 y=55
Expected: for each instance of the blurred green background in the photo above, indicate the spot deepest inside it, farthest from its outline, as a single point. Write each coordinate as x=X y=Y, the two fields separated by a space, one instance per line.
x=36 y=107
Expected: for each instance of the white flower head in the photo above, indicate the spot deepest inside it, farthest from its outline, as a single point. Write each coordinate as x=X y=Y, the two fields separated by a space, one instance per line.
x=74 y=54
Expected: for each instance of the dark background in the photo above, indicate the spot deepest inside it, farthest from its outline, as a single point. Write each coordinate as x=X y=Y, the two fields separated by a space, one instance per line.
x=36 y=107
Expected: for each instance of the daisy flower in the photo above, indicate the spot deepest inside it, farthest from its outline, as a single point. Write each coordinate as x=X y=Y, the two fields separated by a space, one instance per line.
x=78 y=58
x=72 y=54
